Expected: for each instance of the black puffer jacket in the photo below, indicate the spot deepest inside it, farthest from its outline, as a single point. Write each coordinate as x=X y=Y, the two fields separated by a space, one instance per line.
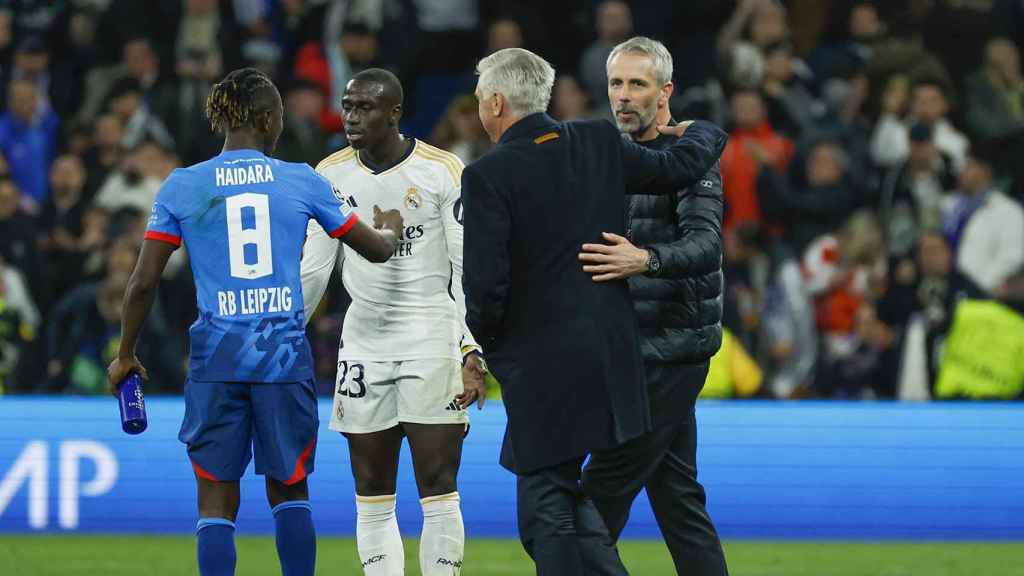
x=680 y=309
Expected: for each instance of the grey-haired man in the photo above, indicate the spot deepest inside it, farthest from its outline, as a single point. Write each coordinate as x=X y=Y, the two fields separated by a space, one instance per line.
x=672 y=259
x=563 y=347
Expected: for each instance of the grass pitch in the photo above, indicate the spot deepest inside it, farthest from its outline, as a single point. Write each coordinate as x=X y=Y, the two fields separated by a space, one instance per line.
x=174 y=556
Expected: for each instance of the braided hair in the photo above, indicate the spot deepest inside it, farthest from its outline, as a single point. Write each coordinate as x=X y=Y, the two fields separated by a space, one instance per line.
x=234 y=101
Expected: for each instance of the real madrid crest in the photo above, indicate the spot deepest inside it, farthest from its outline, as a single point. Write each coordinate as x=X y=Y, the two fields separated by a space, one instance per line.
x=412 y=199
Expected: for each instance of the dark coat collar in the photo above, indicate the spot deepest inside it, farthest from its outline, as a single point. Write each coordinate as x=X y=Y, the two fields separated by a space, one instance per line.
x=527 y=126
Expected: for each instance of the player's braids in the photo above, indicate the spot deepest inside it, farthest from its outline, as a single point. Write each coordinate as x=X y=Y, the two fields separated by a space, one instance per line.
x=232 y=101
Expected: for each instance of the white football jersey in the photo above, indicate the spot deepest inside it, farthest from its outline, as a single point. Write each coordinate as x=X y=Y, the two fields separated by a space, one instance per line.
x=411 y=307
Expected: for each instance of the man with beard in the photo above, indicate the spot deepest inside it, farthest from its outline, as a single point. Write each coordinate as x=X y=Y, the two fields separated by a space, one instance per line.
x=563 y=346
x=672 y=260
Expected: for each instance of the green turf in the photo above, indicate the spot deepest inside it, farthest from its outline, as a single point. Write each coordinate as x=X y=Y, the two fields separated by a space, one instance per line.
x=173 y=556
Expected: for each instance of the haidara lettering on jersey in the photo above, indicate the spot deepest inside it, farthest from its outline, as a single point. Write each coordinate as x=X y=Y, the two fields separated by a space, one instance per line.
x=252 y=174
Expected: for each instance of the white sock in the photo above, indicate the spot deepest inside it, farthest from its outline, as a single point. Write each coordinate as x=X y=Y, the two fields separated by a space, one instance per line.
x=377 y=537
x=444 y=538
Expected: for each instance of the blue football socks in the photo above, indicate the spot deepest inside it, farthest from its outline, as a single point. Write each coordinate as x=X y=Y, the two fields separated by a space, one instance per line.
x=296 y=539
x=215 y=549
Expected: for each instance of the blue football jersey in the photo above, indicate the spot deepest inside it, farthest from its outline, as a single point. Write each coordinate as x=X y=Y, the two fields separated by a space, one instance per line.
x=243 y=218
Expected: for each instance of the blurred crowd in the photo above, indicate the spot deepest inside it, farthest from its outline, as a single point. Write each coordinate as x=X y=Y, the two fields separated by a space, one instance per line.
x=870 y=180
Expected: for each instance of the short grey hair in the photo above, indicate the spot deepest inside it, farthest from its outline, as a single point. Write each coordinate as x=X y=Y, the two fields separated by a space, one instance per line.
x=656 y=51
x=522 y=77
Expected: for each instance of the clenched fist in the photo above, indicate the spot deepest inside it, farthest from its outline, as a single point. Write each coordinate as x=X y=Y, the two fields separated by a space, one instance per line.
x=390 y=220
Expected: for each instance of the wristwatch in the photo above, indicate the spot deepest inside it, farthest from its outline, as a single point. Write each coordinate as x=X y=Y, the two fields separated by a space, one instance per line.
x=467 y=350
x=653 y=263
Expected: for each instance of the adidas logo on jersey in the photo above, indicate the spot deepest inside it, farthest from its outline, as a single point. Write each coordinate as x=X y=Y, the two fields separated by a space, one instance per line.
x=453 y=406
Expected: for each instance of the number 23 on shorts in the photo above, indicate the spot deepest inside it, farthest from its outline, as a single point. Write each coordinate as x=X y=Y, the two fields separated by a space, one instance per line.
x=353 y=387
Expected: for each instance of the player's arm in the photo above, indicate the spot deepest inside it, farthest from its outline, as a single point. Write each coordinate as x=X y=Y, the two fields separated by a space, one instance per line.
x=697 y=249
x=377 y=246
x=163 y=236
x=338 y=220
x=696 y=150
x=319 y=257
x=473 y=368
x=138 y=299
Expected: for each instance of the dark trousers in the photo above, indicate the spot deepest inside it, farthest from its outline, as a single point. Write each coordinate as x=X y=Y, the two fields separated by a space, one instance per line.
x=560 y=528
x=665 y=462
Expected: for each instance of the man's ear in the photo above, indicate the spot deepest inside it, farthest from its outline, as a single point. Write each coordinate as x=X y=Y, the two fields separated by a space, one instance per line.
x=396 y=115
x=497 y=104
x=666 y=94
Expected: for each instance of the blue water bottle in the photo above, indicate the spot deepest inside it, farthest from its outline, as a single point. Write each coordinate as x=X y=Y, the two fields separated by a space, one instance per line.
x=133 y=405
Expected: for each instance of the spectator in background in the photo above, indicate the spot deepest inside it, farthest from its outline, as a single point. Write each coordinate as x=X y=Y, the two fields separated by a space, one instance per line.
x=140 y=63
x=296 y=22
x=753 y=26
x=753 y=143
x=18 y=243
x=213 y=27
x=890 y=143
x=845 y=271
x=766 y=274
x=6 y=38
x=447 y=28
x=985 y=227
x=15 y=333
x=135 y=183
x=504 y=33
x=995 y=93
x=614 y=23
x=95 y=235
x=77 y=139
x=70 y=64
x=569 y=101
x=207 y=37
x=911 y=194
x=330 y=67
x=28 y=141
x=361 y=47
x=791 y=106
x=15 y=296
x=84 y=332
x=846 y=98
x=32 y=64
x=196 y=71
x=815 y=208
x=919 y=307
x=104 y=154
x=459 y=131
x=127 y=102
x=60 y=224
x=302 y=140
x=863 y=29
x=1011 y=292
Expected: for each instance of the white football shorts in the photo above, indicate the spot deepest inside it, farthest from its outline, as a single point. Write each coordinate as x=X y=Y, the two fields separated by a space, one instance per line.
x=375 y=396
